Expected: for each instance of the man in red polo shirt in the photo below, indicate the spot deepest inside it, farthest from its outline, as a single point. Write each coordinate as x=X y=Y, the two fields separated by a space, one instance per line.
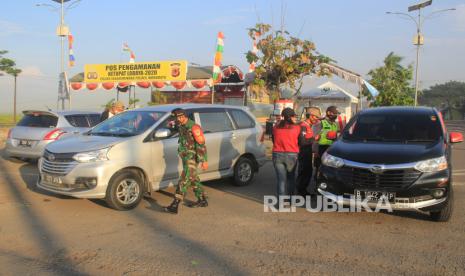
x=285 y=151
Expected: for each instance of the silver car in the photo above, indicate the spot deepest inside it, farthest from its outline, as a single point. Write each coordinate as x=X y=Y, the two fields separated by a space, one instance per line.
x=27 y=140
x=135 y=152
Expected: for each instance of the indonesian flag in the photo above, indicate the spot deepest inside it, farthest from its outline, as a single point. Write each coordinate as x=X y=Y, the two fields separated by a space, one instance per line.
x=126 y=48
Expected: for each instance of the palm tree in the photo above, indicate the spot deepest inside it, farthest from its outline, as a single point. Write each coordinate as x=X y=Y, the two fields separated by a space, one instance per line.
x=14 y=72
x=8 y=66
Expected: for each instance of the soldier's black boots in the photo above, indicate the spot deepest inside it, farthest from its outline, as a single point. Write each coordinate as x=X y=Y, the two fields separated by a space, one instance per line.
x=173 y=208
x=201 y=202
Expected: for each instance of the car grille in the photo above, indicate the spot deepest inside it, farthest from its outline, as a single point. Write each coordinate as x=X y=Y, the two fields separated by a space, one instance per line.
x=59 y=164
x=364 y=178
x=59 y=157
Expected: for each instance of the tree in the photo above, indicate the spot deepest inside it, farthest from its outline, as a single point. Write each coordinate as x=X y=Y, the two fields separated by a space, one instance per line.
x=283 y=60
x=158 y=98
x=133 y=102
x=447 y=97
x=9 y=66
x=393 y=83
x=14 y=72
x=5 y=63
x=108 y=104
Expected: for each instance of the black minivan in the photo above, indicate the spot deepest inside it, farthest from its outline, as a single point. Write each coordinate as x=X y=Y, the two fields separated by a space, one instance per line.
x=402 y=154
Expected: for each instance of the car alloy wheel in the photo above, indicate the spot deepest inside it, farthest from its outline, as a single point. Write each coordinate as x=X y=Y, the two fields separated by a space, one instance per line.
x=127 y=191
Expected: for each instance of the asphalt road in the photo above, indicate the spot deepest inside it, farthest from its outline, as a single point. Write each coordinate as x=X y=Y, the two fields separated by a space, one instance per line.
x=42 y=233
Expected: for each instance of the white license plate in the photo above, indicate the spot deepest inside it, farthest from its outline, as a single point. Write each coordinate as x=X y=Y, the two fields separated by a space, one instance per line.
x=375 y=195
x=52 y=179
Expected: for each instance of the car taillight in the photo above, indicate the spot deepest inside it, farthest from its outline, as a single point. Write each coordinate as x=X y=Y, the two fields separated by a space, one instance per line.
x=54 y=134
x=9 y=134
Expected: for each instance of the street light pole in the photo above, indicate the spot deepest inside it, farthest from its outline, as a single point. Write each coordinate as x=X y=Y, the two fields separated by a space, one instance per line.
x=418 y=43
x=418 y=40
x=62 y=32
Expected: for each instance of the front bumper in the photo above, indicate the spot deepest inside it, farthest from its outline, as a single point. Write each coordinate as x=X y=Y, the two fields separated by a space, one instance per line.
x=414 y=196
x=69 y=183
x=400 y=204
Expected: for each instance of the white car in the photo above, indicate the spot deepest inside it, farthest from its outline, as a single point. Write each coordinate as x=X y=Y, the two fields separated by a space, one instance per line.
x=135 y=152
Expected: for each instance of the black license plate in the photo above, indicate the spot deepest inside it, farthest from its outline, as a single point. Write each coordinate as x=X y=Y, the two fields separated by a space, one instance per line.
x=375 y=196
x=25 y=143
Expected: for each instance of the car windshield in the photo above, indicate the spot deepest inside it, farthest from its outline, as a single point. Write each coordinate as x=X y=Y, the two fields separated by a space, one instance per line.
x=405 y=128
x=38 y=120
x=126 y=124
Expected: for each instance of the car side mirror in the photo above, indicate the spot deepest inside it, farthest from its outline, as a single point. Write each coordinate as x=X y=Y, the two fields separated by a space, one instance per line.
x=456 y=137
x=162 y=133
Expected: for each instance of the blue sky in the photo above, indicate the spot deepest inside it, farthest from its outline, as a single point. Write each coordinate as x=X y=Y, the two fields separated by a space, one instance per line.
x=357 y=34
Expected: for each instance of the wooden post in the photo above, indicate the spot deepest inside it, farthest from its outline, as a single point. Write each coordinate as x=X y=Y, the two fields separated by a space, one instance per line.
x=246 y=92
x=360 y=96
x=213 y=93
x=14 y=103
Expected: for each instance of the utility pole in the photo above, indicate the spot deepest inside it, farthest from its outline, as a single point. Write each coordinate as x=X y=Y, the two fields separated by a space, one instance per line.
x=62 y=32
x=418 y=40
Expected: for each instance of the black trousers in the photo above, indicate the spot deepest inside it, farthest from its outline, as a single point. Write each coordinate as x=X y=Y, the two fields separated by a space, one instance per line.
x=321 y=150
x=305 y=171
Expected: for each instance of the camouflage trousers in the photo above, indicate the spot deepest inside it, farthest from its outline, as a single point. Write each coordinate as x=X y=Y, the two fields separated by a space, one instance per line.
x=189 y=178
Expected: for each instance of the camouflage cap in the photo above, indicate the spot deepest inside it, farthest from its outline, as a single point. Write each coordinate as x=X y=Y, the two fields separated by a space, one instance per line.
x=177 y=112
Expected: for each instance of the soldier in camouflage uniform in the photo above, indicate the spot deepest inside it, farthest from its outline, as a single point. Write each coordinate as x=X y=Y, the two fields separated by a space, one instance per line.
x=192 y=151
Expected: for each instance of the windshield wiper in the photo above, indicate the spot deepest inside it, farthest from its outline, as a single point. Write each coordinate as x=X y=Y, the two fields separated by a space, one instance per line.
x=124 y=134
x=101 y=134
x=420 y=141
x=380 y=139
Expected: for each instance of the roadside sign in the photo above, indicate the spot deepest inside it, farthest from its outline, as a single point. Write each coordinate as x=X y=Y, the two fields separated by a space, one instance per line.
x=139 y=71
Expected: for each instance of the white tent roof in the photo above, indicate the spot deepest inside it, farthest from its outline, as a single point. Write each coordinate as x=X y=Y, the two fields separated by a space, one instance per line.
x=328 y=90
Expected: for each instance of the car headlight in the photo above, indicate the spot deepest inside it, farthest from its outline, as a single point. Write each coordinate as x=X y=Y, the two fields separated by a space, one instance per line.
x=332 y=161
x=432 y=165
x=92 y=156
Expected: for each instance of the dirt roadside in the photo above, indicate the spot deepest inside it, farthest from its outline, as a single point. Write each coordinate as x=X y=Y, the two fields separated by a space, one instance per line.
x=3 y=134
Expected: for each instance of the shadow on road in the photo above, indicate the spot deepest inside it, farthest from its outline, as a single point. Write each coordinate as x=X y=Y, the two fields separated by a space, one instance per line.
x=51 y=247
x=30 y=175
x=180 y=243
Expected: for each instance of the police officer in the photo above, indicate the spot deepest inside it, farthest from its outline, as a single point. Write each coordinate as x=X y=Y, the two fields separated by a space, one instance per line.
x=327 y=134
x=305 y=154
x=192 y=151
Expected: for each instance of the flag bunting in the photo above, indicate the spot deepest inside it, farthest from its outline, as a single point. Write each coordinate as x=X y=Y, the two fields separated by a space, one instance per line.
x=71 y=59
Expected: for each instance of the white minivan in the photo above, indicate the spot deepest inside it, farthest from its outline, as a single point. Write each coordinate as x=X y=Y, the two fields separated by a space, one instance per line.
x=135 y=152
